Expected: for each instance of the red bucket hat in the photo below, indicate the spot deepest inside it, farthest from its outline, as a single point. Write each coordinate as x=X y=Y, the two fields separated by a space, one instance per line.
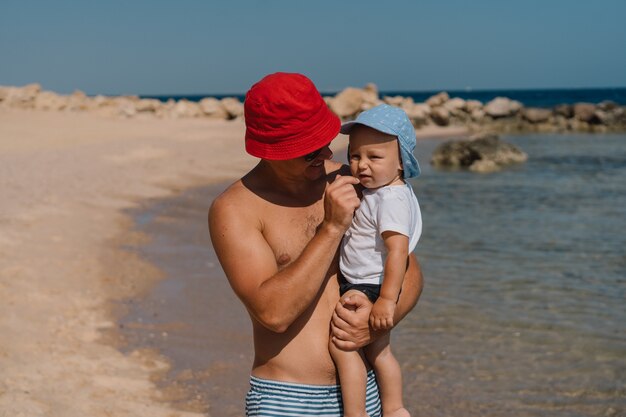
x=286 y=117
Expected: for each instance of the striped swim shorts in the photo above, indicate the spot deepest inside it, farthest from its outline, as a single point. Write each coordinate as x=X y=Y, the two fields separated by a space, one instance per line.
x=285 y=399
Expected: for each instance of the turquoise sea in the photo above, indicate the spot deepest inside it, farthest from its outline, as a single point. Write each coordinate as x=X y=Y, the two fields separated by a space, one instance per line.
x=523 y=311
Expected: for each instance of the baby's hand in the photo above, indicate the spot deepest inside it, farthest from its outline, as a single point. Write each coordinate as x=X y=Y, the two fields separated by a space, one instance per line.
x=381 y=317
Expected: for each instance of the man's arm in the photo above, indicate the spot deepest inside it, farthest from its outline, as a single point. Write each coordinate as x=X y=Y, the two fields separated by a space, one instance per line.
x=277 y=298
x=350 y=323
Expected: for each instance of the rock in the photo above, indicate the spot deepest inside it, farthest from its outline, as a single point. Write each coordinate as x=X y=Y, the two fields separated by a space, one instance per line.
x=22 y=97
x=396 y=101
x=418 y=113
x=102 y=101
x=347 y=103
x=536 y=115
x=48 y=100
x=440 y=115
x=607 y=105
x=370 y=97
x=502 y=107
x=484 y=166
x=233 y=107
x=584 y=111
x=471 y=105
x=455 y=105
x=438 y=99
x=212 y=108
x=125 y=107
x=601 y=117
x=185 y=109
x=564 y=110
x=481 y=153
x=148 y=105
x=77 y=101
x=477 y=115
x=4 y=92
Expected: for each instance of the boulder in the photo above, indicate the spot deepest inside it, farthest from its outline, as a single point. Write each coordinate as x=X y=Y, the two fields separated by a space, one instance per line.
x=185 y=109
x=584 y=112
x=455 y=105
x=396 y=100
x=77 y=101
x=477 y=115
x=48 y=100
x=536 y=114
x=607 y=105
x=481 y=153
x=347 y=103
x=440 y=115
x=125 y=107
x=212 y=108
x=370 y=97
x=22 y=97
x=602 y=117
x=502 y=107
x=438 y=99
x=102 y=101
x=564 y=110
x=471 y=105
x=418 y=113
x=4 y=92
x=233 y=107
x=151 y=105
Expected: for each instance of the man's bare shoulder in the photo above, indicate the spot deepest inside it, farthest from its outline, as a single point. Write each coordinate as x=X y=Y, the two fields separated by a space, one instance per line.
x=233 y=201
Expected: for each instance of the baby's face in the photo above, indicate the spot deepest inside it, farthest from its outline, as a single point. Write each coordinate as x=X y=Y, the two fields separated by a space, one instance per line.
x=374 y=157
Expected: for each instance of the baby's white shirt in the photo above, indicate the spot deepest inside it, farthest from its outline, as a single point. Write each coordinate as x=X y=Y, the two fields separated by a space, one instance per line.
x=390 y=208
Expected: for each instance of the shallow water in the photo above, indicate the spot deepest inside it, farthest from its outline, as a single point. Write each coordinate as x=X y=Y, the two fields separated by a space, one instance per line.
x=524 y=307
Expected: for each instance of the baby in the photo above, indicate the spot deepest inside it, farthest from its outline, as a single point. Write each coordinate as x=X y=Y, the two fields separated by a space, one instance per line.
x=375 y=249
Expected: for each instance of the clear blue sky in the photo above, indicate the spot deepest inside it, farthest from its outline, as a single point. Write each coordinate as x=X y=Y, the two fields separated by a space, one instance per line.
x=213 y=47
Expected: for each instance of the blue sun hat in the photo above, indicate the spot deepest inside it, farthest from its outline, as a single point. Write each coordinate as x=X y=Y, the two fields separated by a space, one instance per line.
x=392 y=121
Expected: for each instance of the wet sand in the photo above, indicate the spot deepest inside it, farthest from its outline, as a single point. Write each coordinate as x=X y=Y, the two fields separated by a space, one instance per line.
x=69 y=266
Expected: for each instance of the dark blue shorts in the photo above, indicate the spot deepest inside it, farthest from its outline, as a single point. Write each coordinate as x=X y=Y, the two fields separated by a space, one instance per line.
x=372 y=291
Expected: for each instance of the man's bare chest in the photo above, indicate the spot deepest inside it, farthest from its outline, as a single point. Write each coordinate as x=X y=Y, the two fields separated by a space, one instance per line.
x=290 y=229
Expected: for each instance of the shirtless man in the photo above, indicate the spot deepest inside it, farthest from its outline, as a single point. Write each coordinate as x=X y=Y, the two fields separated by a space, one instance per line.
x=276 y=232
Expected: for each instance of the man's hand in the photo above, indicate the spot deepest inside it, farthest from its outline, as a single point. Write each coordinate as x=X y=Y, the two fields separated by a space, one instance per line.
x=340 y=201
x=381 y=317
x=350 y=323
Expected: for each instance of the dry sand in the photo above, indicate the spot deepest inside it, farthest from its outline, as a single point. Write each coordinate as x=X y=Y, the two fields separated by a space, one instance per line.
x=64 y=180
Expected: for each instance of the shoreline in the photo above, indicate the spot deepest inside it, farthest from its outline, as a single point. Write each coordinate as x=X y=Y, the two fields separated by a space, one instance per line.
x=66 y=180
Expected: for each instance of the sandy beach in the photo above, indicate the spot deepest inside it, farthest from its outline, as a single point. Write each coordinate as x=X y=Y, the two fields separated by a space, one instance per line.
x=65 y=179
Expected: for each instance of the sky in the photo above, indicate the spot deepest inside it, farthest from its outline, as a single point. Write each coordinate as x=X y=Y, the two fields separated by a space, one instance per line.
x=154 y=47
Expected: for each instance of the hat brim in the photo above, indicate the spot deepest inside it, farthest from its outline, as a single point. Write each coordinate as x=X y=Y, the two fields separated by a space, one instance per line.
x=348 y=126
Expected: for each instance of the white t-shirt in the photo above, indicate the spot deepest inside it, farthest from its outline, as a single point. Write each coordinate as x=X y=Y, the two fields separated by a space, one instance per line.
x=390 y=208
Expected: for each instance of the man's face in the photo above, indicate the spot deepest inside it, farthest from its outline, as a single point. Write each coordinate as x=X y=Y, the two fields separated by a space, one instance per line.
x=374 y=157
x=315 y=162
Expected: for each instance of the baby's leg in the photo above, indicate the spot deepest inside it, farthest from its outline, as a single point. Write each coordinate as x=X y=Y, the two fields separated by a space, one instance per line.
x=353 y=379
x=388 y=375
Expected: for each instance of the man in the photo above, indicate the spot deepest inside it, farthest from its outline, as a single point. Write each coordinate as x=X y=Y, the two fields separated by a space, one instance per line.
x=276 y=232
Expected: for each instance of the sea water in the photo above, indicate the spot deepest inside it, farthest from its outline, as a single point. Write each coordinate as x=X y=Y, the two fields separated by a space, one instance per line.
x=524 y=307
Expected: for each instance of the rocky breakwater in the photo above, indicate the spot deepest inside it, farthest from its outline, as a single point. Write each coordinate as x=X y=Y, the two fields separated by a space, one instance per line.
x=501 y=114
x=34 y=98
x=480 y=153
